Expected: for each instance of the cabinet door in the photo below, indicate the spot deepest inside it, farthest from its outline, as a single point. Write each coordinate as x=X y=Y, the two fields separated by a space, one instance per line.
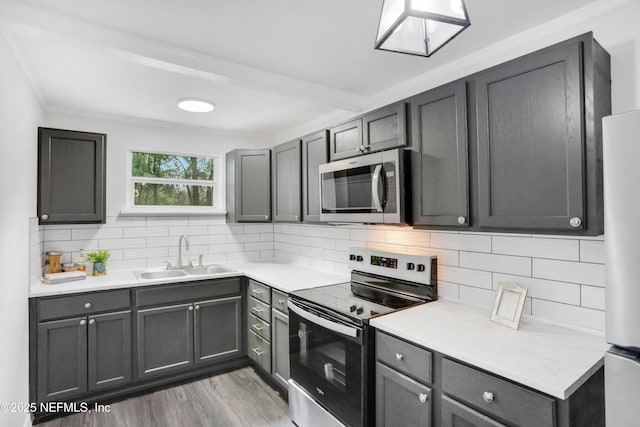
x=385 y=128
x=280 y=347
x=71 y=177
x=62 y=359
x=165 y=339
x=400 y=400
x=253 y=182
x=455 y=414
x=440 y=157
x=346 y=140
x=531 y=142
x=315 y=152
x=109 y=350
x=287 y=197
x=217 y=328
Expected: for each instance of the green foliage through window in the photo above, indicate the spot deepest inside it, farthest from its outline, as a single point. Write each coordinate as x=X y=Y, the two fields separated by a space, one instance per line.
x=172 y=180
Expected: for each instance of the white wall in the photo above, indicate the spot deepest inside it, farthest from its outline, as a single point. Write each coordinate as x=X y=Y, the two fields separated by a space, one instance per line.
x=122 y=137
x=20 y=114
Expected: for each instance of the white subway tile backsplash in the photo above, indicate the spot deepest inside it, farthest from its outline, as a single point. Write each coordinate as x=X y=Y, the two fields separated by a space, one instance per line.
x=409 y=238
x=567 y=293
x=145 y=253
x=566 y=271
x=344 y=245
x=592 y=297
x=477 y=296
x=258 y=246
x=568 y=314
x=448 y=290
x=258 y=228
x=100 y=233
x=445 y=256
x=537 y=247
x=54 y=235
x=371 y=236
x=130 y=232
x=461 y=242
x=123 y=221
x=335 y=232
x=385 y=247
x=592 y=251
x=158 y=242
x=498 y=263
x=110 y=244
x=169 y=221
x=464 y=276
x=243 y=238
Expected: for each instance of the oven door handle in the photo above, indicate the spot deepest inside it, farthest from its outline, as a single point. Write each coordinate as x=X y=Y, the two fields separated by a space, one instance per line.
x=375 y=188
x=332 y=326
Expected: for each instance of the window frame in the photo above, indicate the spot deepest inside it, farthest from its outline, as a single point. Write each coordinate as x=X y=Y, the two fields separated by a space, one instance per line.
x=218 y=187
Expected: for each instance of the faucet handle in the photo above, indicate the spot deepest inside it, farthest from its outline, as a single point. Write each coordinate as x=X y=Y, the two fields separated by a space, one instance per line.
x=200 y=260
x=168 y=264
x=190 y=263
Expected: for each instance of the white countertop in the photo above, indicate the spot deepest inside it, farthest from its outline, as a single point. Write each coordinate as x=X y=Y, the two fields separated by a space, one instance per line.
x=282 y=276
x=549 y=358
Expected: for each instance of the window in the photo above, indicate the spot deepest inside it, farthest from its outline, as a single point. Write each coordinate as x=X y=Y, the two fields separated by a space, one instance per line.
x=173 y=181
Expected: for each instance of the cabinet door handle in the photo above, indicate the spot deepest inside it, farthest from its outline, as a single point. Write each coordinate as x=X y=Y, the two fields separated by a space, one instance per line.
x=423 y=397
x=92 y=321
x=462 y=220
x=266 y=217
x=281 y=301
x=575 y=222
x=256 y=291
x=197 y=307
x=44 y=217
x=190 y=308
x=257 y=327
x=487 y=396
x=399 y=356
x=83 y=322
x=88 y=305
x=257 y=351
x=256 y=309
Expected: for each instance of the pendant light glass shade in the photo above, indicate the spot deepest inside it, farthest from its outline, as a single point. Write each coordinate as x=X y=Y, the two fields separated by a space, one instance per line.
x=420 y=27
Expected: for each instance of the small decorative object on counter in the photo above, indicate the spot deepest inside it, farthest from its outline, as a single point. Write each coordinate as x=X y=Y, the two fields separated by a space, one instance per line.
x=52 y=264
x=69 y=266
x=82 y=261
x=99 y=260
x=507 y=308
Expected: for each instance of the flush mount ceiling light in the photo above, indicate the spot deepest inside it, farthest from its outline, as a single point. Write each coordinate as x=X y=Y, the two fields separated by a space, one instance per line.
x=420 y=27
x=195 y=105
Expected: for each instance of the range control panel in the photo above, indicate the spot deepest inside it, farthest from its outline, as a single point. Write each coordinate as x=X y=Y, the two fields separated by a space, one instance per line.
x=415 y=268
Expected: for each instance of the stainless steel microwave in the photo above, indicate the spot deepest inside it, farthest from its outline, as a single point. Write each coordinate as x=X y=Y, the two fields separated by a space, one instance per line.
x=365 y=189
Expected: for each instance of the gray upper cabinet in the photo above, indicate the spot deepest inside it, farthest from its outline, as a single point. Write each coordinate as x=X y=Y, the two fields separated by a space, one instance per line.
x=71 y=176
x=248 y=186
x=346 y=140
x=440 y=157
x=539 y=140
x=378 y=130
x=287 y=194
x=315 y=152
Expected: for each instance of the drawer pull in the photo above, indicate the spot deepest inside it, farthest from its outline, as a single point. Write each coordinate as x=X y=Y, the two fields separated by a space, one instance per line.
x=257 y=327
x=487 y=396
x=320 y=391
x=190 y=308
x=87 y=305
x=92 y=321
x=83 y=322
x=256 y=309
x=399 y=357
x=281 y=301
x=197 y=307
x=423 y=397
x=256 y=291
x=257 y=351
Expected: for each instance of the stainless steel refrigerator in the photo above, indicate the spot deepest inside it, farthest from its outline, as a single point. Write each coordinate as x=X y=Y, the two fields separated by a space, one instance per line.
x=621 y=149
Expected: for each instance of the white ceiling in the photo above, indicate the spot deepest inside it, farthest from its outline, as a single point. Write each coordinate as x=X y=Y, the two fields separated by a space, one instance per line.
x=268 y=65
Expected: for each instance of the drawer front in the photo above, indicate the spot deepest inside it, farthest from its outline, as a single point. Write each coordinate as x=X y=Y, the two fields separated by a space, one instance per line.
x=259 y=309
x=74 y=305
x=260 y=291
x=202 y=290
x=260 y=351
x=454 y=414
x=279 y=301
x=260 y=327
x=404 y=357
x=497 y=397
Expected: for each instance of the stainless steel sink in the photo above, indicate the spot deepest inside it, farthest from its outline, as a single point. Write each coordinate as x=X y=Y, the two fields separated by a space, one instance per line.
x=164 y=274
x=203 y=271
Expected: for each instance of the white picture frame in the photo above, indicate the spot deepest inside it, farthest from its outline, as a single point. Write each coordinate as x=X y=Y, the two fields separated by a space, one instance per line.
x=508 y=305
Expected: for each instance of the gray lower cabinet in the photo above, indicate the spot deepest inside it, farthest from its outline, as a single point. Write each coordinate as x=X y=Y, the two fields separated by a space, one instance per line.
x=315 y=152
x=440 y=157
x=83 y=354
x=71 y=176
x=248 y=186
x=280 y=347
x=217 y=329
x=539 y=141
x=401 y=401
x=287 y=185
x=455 y=414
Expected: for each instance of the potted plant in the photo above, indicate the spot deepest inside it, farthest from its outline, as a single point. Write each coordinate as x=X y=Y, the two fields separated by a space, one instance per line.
x=99 y=260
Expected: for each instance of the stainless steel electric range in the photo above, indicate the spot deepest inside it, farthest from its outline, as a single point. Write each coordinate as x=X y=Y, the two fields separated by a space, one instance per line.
x=331 y=344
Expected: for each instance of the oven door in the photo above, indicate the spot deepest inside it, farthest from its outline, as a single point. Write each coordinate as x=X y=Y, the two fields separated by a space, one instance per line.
x=326 y=360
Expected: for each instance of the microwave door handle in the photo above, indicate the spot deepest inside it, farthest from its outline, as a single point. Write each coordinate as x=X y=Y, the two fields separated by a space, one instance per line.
x=332 y=326
x=375 y=188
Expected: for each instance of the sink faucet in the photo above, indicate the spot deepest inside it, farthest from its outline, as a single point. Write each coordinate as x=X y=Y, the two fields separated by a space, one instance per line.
x=186 y=246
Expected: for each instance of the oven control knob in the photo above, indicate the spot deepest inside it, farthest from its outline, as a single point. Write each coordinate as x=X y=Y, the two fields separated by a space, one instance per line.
x=352 y=257
x=352 y=308
x=359 y=258
x=411 y=266
x=421 y=267
x=360 y=310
